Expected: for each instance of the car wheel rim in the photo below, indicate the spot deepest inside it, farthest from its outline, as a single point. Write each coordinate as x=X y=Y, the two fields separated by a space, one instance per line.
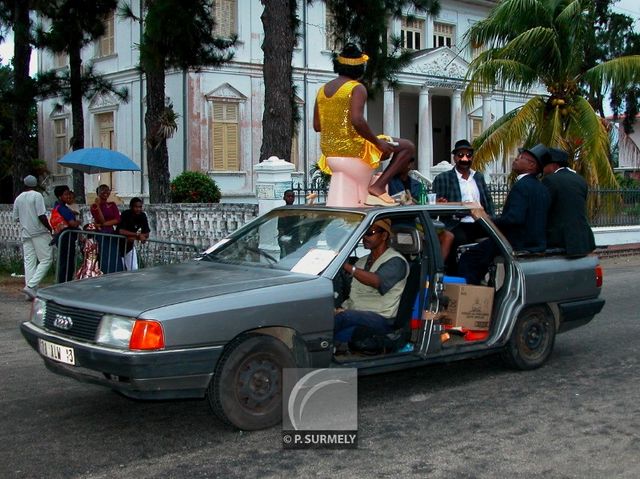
x=534 y=338
x=258 y=384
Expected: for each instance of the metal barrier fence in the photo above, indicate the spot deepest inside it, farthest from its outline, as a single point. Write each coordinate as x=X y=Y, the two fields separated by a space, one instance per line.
x=606 y=207
x=86 y=254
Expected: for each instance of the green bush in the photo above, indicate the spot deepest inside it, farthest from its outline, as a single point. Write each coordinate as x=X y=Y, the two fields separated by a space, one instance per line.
x=194 y=187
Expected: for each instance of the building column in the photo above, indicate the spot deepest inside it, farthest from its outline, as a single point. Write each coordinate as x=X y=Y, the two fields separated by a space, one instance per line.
x=457 y=130
x=486 y=123
x=486 y=111
x=425 y=141
x=389 y=112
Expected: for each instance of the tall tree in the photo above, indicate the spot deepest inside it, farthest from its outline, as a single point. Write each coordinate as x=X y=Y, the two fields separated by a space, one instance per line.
x=542 y=42
x=22 y=99
x=280 y=25
x=177 y=34
x=73 y=25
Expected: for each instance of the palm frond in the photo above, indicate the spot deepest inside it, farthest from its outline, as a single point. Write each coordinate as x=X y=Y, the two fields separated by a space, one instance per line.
x=508 y=19
x=588 y=140
x=545 y=54
x=620 y=73
x=509 y=132
x=483 y=76
x=628 y=146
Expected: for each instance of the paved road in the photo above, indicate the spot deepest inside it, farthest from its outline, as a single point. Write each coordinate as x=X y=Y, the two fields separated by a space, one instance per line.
x=579 y=416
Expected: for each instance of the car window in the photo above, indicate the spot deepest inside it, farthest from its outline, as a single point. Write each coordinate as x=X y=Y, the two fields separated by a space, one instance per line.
x=291 y=239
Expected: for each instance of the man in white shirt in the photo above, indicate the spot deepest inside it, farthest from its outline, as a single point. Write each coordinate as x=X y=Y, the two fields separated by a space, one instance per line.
x=30 y=212
x=462 y=184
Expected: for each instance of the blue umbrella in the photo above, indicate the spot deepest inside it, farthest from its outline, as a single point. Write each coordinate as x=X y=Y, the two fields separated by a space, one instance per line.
x=97 y=160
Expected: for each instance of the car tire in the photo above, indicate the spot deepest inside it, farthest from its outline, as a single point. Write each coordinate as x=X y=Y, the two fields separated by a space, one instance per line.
x=246 y=390
x=532 y=339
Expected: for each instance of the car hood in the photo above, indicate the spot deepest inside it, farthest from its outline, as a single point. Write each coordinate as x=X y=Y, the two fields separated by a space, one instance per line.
x=131 y=293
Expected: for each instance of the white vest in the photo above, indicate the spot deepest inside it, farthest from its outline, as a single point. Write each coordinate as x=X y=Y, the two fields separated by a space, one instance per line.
x=367 y=298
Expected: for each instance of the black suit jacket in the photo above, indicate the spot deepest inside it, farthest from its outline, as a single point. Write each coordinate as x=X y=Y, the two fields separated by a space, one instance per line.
x=524 y=215
x=446 y=185
x=567 y=225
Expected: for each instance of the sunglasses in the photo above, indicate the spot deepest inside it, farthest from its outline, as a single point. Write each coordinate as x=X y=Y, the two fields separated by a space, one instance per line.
x=462 y=155
x=372 y=232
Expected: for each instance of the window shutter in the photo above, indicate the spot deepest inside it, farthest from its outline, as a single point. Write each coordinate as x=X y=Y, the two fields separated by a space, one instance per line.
x=218 y=146
x=231 y=141
x=225 y=137
x=225 y=17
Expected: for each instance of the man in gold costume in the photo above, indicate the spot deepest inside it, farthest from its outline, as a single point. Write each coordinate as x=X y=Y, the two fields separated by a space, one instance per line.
x=344 y=131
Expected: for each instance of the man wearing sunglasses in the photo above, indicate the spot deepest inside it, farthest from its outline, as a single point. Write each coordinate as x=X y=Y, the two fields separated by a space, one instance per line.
x=523 y=220
x=378 y=281
x=462 y=183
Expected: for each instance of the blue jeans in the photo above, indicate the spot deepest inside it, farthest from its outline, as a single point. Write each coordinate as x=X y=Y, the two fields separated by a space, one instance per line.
x=348 y=320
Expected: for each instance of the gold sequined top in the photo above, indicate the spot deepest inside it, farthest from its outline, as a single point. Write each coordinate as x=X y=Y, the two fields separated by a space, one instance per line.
x=338 y=137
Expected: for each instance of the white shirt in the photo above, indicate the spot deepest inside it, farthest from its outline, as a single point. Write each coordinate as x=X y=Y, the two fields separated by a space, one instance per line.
x=26 y=209
x=468 y=191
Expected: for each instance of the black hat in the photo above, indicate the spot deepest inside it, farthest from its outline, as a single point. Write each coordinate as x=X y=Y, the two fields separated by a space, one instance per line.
x=539 y=152
x=556 y=155
x=462 y=145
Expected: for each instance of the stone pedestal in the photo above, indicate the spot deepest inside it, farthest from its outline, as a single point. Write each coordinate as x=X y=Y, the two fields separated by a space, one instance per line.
x=273 y=178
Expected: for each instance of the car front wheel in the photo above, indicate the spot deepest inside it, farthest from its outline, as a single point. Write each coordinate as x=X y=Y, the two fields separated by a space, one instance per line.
x=532 y=339
x=246 y=390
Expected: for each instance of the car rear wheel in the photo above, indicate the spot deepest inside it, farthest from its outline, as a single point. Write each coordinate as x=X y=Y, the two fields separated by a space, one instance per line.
x=532 y=339
x=246 y=390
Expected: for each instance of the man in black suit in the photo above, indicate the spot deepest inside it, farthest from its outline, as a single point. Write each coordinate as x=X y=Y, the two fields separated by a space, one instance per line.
x=567 y=226
x=523 y=220
x=462 y=183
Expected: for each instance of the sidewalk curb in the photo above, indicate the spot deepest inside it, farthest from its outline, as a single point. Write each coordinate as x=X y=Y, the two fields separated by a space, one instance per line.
x=613 y=251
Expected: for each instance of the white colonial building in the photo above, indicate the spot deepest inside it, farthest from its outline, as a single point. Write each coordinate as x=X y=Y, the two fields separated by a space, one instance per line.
x=220 y=110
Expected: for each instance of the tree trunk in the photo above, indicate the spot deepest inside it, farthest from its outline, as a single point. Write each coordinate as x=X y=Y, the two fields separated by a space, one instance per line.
x=23 y=88
x=157 y=154
x=279 y=40
x=77 y=114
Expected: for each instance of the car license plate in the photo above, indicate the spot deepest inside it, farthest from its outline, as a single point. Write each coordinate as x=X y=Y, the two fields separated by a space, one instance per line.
x=56 y=352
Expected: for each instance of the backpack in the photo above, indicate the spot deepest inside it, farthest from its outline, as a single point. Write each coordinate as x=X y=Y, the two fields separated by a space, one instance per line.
x=56 y=220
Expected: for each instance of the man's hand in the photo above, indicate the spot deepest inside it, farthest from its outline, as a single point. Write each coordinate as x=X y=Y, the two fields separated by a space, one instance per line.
x=442 y=199
x=385 y=147
x=477 y=211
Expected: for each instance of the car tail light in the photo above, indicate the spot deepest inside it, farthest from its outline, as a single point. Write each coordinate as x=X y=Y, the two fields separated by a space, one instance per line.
x=599 y=276
x=146 y=334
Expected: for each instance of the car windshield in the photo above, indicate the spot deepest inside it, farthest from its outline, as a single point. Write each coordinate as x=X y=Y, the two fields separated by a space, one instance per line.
x=298 y=240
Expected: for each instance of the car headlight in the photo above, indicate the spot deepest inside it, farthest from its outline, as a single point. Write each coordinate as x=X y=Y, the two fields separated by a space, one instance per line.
x=38 y=312
x=127 y=333
x=115 y=331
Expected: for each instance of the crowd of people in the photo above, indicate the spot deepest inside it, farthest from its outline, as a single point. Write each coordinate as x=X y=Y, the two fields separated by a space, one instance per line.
x=112 y=249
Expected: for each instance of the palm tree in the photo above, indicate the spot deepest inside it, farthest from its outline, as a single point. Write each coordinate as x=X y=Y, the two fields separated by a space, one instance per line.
x=534 y=43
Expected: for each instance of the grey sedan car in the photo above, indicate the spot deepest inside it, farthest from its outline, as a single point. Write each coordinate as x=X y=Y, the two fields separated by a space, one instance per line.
x=225 y=325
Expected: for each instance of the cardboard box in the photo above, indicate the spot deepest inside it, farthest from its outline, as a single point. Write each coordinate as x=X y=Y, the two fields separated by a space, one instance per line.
x=469 y=306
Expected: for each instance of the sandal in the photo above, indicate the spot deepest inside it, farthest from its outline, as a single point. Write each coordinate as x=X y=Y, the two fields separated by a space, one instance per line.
x=381 y=200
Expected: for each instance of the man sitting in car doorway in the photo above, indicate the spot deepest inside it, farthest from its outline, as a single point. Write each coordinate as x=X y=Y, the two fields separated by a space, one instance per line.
x=378 y=281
